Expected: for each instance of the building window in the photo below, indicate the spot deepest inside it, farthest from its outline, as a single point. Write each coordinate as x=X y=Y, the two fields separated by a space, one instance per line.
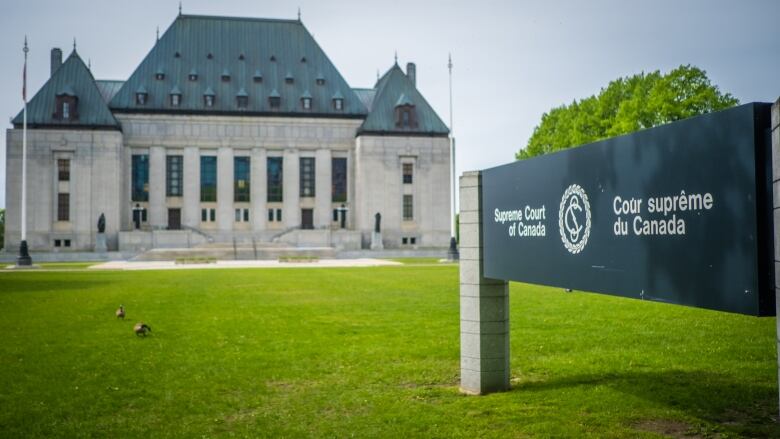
x=208 y=100
x=173 y=175
x=242 y=101
x=338 y=104
x=175 y=99
x=335 y=215
x=274 y=215
x=66 y=108
x=289 y=79
x=404 y=240
x=63 y=207
x=208 y=179
x=307 y=176
x=408 y=172
x=274 y=175
x=225 y=76
x=408 y=208
x=241 y=179
x=257 y=78
x=405 y=116
x=160 y=75
x=57 y=243
x=412 y=240
x=208 y=215
x=140 y=177
x=278 y=215
x=67 y=242
x=274 y=101
x=140 y=98
x=339 y=179
x=242 y=215
x=193 y=76
x=320 y=81
x=306 y=102
x=63 y=170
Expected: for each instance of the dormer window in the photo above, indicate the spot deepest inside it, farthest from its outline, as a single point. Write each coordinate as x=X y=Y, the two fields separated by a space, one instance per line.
x=242 y=99
x=193 y=75
x=141 y=96
x=274 y=100
x=338 y=104
x=208 y=97
x=303 y=59
x=175 y=96
x=225 y=76
x=66 y=105
x=306 y=101
x=273 y=58
x=258 y=77
x=405 y=114
x=289 y=79
x=320 y=80
x=241 y=57
x=159 y=75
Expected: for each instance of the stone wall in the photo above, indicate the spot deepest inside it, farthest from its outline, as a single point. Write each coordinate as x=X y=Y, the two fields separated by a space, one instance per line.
x=378 y=175
x=94 y=187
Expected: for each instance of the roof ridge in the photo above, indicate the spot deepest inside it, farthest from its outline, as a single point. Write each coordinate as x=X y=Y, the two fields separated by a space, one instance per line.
x=235 y=18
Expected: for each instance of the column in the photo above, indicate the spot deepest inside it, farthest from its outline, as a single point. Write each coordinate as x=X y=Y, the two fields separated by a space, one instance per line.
x=190 y=211
x=775 y=128
x=322 y=187
x=225 y=213
x=158 y=217
x=291 y=205
x=484 y=303
x=259 y=189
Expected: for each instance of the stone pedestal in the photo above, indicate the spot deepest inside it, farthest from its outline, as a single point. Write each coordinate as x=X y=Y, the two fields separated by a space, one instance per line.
x=376 y=241
x=100 y=243
x=484 y=304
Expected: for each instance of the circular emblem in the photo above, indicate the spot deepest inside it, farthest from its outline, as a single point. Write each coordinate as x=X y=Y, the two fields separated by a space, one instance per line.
x=574 y=219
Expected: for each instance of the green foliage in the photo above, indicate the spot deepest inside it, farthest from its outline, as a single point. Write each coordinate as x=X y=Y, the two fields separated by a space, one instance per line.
x=626 y=105
x=363 y=352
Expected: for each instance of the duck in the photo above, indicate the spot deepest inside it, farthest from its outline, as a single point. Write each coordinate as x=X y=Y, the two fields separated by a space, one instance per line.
x=120 y=312
x=141 y=329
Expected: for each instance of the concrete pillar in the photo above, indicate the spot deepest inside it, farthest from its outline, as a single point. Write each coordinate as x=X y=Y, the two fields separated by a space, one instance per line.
x=158 y=217
x=322 y=196
x=484 y=303
x=258 y=189
x=775 y=127
x=291 y=202
x=225 y=213
x=190 y=211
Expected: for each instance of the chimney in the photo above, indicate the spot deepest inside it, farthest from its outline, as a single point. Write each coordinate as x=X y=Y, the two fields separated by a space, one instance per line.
x=56 y=59
x=411 y=73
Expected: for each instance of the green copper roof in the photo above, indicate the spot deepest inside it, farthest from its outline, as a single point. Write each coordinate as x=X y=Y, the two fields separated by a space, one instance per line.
x=394 y=89
x=259 y=55
x=72 y=79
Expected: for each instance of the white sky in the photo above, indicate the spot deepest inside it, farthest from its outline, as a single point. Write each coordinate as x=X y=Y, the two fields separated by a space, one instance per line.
x=513 y=60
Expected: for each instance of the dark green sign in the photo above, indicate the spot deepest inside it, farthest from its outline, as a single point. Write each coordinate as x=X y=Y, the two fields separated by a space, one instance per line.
x=679 y=213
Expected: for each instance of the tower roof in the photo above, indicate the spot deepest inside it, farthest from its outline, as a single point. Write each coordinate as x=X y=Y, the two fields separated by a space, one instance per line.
x=71 y=79
x=394 y=89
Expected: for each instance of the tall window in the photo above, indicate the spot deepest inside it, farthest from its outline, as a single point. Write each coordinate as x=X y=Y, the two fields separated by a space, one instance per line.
x=408 y=169
x=408 y=208
x=307 y=176
x=66 y=107
x=63 y=170
x=240 y=179
x=140 y=177
x=274 y=183
x=173 y=175
x=63 y=207
x=339 y=179
x=208 y=179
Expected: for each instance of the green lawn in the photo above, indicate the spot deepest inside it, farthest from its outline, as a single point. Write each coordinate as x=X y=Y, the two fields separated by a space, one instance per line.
x=370 y=352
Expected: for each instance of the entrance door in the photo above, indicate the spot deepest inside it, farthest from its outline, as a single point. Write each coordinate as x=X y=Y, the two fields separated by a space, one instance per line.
x=307 y=219
x=174 y=219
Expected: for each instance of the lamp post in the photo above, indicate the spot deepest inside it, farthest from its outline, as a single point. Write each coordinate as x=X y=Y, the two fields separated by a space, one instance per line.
x=24 y=259
x=452 y=253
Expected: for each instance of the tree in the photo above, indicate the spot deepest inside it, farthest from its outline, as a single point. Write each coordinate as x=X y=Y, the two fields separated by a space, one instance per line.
x=626 y=105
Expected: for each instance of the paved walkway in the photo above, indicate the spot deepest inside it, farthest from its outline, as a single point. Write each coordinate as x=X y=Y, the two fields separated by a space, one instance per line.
x=170 y=265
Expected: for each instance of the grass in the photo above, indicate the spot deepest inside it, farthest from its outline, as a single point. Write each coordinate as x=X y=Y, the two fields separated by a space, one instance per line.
x=60 y=265
x=369 y=352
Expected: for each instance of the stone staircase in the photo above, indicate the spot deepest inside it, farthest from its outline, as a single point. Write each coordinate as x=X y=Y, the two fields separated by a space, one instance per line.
x=237 y=251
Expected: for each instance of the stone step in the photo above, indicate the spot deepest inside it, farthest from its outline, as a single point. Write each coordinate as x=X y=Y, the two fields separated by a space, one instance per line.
x=242 y=253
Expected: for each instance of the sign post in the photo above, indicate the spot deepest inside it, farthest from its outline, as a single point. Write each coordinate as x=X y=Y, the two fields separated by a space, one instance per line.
x=682 y=213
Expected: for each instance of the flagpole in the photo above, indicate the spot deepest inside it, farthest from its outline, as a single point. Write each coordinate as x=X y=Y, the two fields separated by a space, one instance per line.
x=452 y=253
x=24 y=259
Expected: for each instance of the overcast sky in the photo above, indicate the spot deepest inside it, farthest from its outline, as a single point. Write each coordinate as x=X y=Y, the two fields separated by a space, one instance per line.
x=513 y=60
